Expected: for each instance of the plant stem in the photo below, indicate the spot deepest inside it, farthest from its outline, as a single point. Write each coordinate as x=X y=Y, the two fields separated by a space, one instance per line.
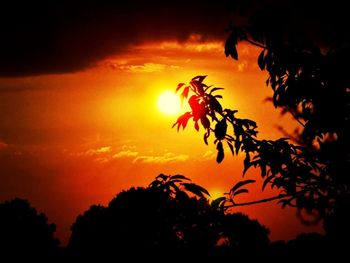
x=255 y=43
x=259 y=201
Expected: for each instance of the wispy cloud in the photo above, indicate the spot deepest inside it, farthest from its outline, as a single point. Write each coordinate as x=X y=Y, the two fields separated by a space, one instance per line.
x=93 y=152
x=106 y=154
x=166 y=158
x=195 y=43
x=142 y=68
x=125 y=153
x=208 y=155
x=101 y=150
x=128 y=147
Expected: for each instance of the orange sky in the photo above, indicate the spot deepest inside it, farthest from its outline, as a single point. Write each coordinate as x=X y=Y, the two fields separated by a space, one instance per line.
x=68 y=141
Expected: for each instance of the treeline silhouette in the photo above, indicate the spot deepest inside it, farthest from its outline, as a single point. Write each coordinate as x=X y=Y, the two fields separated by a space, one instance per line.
x=25 y=234
x=170 y=220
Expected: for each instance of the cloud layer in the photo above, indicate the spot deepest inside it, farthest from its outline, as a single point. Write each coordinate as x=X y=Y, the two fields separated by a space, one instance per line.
x=67 y=36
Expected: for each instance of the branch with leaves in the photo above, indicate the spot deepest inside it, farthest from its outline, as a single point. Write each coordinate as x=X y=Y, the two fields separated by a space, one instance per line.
x=287 y=167
x=311 y=84
x=178 y=185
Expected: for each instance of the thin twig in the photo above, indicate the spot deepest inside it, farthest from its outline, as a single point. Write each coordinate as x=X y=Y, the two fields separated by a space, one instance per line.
x=255 y=43
x=297 y=119
x=259 y=201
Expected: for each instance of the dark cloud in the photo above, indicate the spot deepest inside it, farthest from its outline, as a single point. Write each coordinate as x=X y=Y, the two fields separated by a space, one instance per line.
x=56 y=36
x=40 y=37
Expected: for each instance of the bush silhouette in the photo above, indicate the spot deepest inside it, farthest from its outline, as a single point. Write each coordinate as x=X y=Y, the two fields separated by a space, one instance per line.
x=25 y=234
x=163 y=221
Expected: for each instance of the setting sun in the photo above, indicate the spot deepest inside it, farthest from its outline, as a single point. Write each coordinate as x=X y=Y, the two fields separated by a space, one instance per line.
x=216 y=193
x=169 y=103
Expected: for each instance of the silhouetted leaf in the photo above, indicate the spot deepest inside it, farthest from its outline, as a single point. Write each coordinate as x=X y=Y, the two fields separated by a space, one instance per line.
x=207 y=87
x=182 y=120
x=196 y=189
x=198 y=109
x=176 y=123
x=261 y=62
x=267 y=180
x=179 y=86
x=246 y=163
x=198 y=86
x=174 y=181
x=231 y=147
x=286 y=202
x=206 y=136
x=214 y=104
x=155 y=184
x=220 y=129
x=215 y=89
x=205 y=122
x=230 y=45
x=240 y=191
x=196 y=126
x=184 y=94
x=179 y=176
x=233 y=52
x=171 y=184
x=231 y=113
x=221 y=154
x=240 y=184
x=278 y=182
x=248 y=123
x=216 y=203
x=237 y=145
x=163 y=177
x=199 y=78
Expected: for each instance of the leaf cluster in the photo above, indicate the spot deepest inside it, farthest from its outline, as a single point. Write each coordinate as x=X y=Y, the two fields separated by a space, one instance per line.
x=293 y=169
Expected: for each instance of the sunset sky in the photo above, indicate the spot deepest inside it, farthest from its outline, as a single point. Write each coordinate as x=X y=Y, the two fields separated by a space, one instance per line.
x=79 y=121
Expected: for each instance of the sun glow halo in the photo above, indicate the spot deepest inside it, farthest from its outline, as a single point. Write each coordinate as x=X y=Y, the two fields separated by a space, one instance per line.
x=216 y=193
x=169 y=103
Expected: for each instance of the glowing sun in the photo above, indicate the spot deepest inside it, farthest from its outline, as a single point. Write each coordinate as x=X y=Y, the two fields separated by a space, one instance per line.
x=169 y=103
x=216 y=193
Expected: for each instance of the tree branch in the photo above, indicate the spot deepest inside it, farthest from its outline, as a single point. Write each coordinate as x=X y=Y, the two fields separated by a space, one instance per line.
x=259 y=201
x=296 y=118
x=255 y=43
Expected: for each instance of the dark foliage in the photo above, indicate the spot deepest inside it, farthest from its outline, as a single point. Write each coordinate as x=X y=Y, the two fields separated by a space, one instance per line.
x=309 y=79
x=283 y=165
x=311 y=247
x=169 y=220
x=25 y=235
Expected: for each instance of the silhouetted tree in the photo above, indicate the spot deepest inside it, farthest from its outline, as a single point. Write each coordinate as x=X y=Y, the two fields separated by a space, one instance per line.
x=246 y=239
x=170 y=220
x=308 y=75
x=25 y=235
x=312 y=247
